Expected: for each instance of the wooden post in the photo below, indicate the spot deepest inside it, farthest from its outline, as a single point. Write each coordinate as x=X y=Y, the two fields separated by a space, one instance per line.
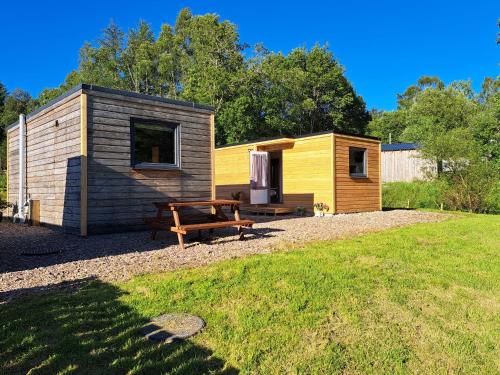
x=333 y=167
x=7 y=177
x=212 y=157
x=83 y=165
x=177 y=222
x=380 y=174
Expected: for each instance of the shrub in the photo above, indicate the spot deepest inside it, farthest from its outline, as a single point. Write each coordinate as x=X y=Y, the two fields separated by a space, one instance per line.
x=472 y=186
x=417 y=194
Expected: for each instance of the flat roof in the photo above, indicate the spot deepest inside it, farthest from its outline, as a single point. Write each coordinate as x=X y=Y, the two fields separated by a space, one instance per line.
x=400 y=146
x=290 y=138
x=95 y=88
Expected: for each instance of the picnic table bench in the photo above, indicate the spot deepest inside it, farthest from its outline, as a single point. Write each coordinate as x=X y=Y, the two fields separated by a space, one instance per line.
x=197 y=223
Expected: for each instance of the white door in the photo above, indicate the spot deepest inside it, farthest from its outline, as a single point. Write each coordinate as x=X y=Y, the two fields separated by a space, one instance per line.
x=259 y=177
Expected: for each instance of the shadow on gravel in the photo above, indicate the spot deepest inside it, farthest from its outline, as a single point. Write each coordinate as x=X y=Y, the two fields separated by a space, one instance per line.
x=90 y=331
x=47 y=247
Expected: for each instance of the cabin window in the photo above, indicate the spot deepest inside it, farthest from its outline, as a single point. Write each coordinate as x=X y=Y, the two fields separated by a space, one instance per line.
x=155 y=144
x=357 y=162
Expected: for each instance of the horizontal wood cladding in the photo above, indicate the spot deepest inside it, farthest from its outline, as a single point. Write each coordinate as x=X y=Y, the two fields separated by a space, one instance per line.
x=52 y=162
x=356 y=194
x=119 y=195
x=307 y=174
x=232 y=172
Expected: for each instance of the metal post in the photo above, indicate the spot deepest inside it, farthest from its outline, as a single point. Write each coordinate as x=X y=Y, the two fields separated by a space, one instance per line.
x=22 y=165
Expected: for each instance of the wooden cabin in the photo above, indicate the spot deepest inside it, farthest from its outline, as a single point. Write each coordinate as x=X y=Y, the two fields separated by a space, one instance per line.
x=95 y=159
x=403 y=162
x=340 y=170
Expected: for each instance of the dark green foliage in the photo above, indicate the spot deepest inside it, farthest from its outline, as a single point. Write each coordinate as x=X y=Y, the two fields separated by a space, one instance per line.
x=201 y=59
x=11 y=105
x=459 y=130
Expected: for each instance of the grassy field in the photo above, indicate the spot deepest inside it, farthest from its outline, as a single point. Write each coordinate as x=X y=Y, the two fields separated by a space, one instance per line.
x=421 y=299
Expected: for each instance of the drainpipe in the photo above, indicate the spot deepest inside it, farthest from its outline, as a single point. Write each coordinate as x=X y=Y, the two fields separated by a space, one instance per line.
x=22 y=166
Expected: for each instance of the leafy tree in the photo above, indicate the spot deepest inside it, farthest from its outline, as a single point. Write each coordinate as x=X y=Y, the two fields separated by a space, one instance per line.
x=201 y=59
x=389 y=126
x=406 y=99
x=11 y=105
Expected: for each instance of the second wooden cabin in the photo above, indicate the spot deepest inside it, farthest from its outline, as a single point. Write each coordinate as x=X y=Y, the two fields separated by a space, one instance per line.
x=339 y=170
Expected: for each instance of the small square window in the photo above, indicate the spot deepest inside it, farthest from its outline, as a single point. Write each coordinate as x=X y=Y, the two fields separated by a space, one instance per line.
x=357 y=162
x=155 y=144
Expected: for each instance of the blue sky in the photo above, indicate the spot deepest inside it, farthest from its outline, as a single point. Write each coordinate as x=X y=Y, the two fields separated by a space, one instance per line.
x=384 y=45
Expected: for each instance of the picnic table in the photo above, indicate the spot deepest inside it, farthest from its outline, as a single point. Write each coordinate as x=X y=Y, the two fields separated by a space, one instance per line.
x=182 y=224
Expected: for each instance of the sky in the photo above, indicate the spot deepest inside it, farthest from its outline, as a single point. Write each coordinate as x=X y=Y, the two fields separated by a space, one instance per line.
x=385 y=46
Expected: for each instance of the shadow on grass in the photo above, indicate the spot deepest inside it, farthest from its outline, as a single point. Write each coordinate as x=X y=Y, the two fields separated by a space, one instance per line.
x=90 y=331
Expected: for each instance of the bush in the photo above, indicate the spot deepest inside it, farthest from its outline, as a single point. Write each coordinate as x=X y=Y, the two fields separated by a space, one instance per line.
x=417 y=194
x=472 y=186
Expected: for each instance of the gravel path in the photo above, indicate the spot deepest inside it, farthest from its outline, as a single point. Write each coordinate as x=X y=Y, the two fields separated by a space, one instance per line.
x=120 y=256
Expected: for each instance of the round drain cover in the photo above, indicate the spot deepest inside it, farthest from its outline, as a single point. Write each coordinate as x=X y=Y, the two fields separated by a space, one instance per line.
x=169 y=327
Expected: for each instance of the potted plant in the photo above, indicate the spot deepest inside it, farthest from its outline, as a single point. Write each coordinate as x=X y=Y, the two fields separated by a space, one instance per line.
x=3 y=205
x=320 y=208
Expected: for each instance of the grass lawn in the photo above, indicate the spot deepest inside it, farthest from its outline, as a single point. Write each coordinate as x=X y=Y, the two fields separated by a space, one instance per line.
x=421 y=299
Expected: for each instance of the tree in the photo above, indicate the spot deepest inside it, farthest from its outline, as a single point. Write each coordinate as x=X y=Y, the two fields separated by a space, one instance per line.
x=389 y=126
x=406 y=99
x=201 y=59
x=13 y=104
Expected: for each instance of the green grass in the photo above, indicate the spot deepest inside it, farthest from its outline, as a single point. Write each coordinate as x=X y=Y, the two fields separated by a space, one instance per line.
x=417 y=194
x=421 y=299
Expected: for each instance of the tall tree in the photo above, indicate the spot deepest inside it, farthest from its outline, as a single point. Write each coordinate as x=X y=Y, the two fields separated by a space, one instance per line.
x=201 y=59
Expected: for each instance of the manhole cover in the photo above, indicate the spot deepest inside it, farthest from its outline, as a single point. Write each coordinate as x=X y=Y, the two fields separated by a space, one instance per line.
x=169 y=327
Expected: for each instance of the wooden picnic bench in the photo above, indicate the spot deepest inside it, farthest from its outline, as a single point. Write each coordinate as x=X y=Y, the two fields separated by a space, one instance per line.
x=211 y=221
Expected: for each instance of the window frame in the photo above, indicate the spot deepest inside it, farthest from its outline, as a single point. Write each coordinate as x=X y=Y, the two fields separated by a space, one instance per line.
x=365 y=162
x=177 y=144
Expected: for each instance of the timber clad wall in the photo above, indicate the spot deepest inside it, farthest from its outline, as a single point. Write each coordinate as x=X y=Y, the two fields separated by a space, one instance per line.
x=315 y=169
x=52 y=163
x=232 y=172
x=120 y=195
x=405 y=165
x=357 y=194
x=307 y=176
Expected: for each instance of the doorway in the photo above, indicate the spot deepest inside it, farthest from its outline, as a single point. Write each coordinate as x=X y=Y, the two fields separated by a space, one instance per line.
x=276 y=177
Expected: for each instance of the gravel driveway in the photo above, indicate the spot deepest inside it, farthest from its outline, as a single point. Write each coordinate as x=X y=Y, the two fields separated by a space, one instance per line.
x=120 y=256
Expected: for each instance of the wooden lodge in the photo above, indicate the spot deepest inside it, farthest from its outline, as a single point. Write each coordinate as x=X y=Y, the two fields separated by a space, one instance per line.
x=340 y=170
x=95 y=159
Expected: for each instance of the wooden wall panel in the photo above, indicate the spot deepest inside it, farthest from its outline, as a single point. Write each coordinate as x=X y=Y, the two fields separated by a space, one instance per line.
x=356 y=194
x=307 y=174
x=232 y=171
x=405 y=165
x=52 y=162
x=120 y=196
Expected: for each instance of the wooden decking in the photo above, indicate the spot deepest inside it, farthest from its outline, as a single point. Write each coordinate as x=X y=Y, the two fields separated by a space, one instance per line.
x=273 y=209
